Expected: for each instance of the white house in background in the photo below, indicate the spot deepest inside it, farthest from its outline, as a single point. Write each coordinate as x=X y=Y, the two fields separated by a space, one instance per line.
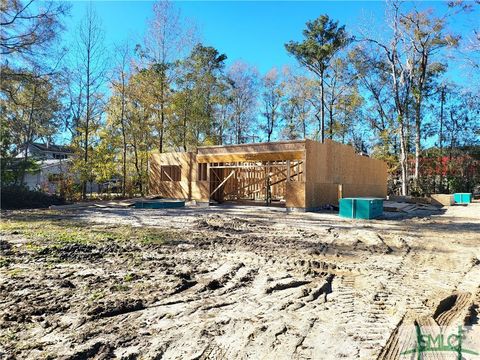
x=54 y=163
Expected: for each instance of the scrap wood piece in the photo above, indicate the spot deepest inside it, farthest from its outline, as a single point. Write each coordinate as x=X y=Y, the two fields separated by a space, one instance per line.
x=409 y=209
x=70 y=206
x=395 y=206
x=428 y=207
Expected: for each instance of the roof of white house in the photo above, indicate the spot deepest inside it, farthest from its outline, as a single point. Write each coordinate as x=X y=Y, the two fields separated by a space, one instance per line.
x=52 y=147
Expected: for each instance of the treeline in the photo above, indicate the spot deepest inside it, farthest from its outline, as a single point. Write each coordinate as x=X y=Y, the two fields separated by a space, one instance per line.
x=385 y=91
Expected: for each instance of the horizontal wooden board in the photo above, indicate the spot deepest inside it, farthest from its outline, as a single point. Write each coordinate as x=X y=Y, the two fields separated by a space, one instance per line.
x=255 y=156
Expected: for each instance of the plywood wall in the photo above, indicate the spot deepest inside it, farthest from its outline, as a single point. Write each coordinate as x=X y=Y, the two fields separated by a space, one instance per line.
x=188 y=187
x=333 y=167
x=295 y=195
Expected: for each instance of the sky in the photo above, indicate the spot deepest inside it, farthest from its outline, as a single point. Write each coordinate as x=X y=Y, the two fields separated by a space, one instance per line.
x=254 y=32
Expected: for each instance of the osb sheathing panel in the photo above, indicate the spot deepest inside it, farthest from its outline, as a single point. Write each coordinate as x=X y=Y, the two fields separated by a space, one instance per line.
x=330 y=164
x=318 y=194
x=362 y=190
x=295 y=194
x=187 y=187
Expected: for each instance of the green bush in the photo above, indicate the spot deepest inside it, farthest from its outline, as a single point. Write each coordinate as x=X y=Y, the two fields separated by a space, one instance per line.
x=19 y=197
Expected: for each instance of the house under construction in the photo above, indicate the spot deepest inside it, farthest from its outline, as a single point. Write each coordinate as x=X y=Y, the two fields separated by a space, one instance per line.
x=300 y=174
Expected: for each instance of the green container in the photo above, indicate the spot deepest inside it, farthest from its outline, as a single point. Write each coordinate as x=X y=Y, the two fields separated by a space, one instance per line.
x=462 y=198
x=361 y=208
x=159 y=204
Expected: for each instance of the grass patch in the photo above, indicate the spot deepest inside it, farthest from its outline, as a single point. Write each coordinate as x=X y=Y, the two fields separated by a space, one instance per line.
x=120 y=287
x=15 y=272
x=62 y=232
x=97 y=295
x=4 y=262
x=154 y=238
x=129 y=277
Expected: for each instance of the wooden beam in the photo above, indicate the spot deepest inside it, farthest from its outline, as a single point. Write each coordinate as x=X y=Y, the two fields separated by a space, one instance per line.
x=164 y=172
x=252 y=156
x=245 y=166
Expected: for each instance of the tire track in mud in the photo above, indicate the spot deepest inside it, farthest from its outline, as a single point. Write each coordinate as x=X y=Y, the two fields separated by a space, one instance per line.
x=459 y=307
x=366 y=303
x=236 y=289
x=303 y=293
x=256 y=288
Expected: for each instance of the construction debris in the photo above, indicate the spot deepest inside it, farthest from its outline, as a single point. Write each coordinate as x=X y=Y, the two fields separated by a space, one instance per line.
x=407 y=207
x=98 y=204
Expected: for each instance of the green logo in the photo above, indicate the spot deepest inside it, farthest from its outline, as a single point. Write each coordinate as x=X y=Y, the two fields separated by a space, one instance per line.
x=442 y=341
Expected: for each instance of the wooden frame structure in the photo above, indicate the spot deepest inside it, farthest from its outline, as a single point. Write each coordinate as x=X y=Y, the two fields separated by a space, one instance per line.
x=301 y=174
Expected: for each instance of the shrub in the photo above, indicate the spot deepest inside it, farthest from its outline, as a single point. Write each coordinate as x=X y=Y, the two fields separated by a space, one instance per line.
x=19 y=197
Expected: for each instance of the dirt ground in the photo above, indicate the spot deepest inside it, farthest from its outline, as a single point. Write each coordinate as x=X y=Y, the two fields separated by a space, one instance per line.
x=230 y=282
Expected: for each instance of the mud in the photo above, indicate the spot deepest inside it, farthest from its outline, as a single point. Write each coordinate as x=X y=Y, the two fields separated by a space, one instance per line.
x=235 y=283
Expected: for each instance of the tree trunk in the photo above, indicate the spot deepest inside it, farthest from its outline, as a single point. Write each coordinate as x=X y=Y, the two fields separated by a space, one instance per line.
x=304 y=128
x=403 y=156
x=124 y=138
x=440 y=138
x=137 y=167
x=418 y=114
x=417 y=143
x=239 y=130
x=162 y=118
x=29 y=134
x=322 y=124
x=87 y=120
x=330 y=113
x=185 y=128
x=270 y=125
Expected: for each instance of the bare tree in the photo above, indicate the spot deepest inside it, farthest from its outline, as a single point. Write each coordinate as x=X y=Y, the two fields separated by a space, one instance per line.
x=28 y=30
x=87 y=85
x=29 y=48
x=272 y=100
x=119 y=83
x=298 y=105
x=243 y=98
x=426 y=34
x=169 y=37
x=400 y=69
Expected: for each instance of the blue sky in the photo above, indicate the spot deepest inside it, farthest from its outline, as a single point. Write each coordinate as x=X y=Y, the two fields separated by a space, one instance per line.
x=254 y=32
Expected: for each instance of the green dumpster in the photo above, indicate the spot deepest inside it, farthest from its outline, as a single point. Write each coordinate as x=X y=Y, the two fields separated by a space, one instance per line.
x=462 y=198
x=361 y=208
x=159 y=204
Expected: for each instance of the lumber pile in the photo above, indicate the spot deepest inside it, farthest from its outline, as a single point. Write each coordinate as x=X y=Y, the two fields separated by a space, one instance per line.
x=407 y=207
x=400 y=203
x=442 y=199
x=98 y=204
x=409 y=199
